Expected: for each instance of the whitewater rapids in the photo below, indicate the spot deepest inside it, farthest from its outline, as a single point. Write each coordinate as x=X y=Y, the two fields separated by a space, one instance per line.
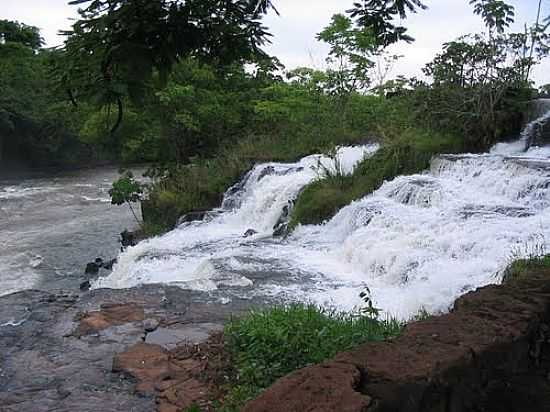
x=418 y=242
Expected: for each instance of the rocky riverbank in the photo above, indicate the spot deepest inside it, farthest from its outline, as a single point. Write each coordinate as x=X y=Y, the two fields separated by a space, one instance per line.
x=491 y=354
x=158 y=348
x=106 y=350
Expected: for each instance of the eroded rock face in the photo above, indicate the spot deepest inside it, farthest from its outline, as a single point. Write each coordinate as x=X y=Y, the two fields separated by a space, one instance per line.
x=490 y=354
x=65 y=352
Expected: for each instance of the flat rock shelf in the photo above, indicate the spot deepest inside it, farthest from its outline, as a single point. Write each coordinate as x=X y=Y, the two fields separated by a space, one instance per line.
x=106 y=350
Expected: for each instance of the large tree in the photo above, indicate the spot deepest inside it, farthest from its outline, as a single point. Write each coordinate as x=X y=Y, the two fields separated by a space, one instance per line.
x=15 y=32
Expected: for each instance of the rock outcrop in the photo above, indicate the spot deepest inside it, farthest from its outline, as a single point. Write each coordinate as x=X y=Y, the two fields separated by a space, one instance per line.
x=491 y=354
x=106 y=350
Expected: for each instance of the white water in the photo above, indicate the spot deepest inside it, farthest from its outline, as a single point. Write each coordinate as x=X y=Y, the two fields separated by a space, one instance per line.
x=418 y=242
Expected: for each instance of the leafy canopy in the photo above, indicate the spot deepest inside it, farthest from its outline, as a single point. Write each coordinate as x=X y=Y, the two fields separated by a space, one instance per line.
x=15 y=32
x=378 y=16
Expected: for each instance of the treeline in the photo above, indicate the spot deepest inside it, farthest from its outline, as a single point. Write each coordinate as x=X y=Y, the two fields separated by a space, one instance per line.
x=186 y=85
x=124 y=88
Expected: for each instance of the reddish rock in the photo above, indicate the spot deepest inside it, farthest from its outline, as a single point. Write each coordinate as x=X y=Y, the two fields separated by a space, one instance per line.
x=109 y=315
x=173 y=377
x=148 y=364
x=323 y=388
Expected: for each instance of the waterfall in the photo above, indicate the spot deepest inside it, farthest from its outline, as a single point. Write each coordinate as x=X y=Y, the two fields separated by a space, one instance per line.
x=418 y=242
x=534 y=133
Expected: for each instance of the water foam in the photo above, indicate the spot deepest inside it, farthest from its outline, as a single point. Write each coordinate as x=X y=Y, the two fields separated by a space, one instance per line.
x=418 y=242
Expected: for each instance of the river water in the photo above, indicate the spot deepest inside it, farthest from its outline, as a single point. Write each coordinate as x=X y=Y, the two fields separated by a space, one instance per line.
x=51 y=226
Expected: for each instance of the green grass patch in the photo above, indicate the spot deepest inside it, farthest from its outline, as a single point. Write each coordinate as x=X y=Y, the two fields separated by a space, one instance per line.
x=522 y=268
x=406 y=152
x=268 y=344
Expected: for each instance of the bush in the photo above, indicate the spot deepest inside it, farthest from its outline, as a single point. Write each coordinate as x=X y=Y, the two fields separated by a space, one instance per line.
x=268 y=344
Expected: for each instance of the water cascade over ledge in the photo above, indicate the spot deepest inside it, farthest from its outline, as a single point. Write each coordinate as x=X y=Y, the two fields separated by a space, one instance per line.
x=418 y=242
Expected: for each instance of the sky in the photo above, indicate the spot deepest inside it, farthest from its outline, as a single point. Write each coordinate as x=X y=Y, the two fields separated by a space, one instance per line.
x=294 y=31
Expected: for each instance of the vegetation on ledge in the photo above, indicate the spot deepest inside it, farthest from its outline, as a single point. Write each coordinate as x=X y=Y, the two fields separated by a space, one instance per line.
x=409 y=153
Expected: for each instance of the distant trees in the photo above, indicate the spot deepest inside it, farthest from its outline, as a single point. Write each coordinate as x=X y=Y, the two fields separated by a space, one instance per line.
x=20 y=33
x=32 y=124
x=478 y=77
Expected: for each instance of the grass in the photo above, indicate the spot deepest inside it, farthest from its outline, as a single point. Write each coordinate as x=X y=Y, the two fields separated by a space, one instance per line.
x=521 y=268
x=201 y=185
x=268 y=344
x=406 y=152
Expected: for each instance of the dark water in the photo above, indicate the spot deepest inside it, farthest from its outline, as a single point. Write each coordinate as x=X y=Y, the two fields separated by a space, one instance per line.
x=50 y=226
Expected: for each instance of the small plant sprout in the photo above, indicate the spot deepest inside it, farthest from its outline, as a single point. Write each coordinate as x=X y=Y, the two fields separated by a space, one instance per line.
x=369 y=310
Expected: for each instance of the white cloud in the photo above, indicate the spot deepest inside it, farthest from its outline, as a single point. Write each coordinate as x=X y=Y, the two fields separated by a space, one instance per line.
x=295 y=30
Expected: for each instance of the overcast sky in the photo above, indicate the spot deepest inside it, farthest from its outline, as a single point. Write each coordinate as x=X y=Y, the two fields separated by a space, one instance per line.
x=295 y=30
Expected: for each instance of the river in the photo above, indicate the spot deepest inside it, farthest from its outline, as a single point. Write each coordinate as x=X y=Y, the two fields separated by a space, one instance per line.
x=418 y=243
x=51 y=225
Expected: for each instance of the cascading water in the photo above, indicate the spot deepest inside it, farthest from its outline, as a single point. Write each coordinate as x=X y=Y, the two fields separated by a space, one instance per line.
x=418 y=242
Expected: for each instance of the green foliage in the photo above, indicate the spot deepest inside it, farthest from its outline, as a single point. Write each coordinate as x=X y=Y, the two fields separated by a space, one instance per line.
x=521 y=268
x=268 y=344
x=193 y=408
x=35 y=125
x=127 y=190
x=496 y=14
x=378 y=16
x=118 y=49
x=15 y=32
x=350 y=55
x=481 y=81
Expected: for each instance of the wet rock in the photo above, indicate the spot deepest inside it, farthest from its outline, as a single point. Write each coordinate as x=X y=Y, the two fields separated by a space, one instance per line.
x=86 y=285
x=57 y=349
x=109 y=315
x=127 y=239
x=249 y=232
x=197 y=215
x=109 y=264
x=280 y=229
x=92 y=268
x=149 y=325
x=194 y=334
x=269 y=170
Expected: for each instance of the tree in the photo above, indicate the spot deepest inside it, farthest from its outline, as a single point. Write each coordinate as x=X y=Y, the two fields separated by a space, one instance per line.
x=15 y=32
x=127 y=190
x=350 y=56
x=378 y=16
x=478 y=78
x=496 y=14
x=117 y=47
